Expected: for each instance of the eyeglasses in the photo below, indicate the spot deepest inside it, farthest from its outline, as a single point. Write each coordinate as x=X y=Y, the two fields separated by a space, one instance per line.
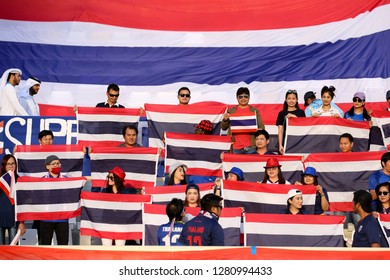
x=11 y=164
x=383 y=193
x=113 y=95
x=110 y=177
x=357 y=99
x=243 y=96
x=55 y=164
x=291 y=91
x=185 y=95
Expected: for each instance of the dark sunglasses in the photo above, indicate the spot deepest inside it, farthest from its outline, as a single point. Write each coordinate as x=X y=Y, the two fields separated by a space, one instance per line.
x=110 y=177
x=383 y=193
x=185 y=95
x=357 y=99
x=113 y=95
x=243 y=96
x=291 y=91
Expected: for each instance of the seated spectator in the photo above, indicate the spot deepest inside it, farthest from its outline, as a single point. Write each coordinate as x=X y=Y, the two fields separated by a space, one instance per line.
x=294 y=203
x=346 y=143
x=48 y=227
x=327 y=108
x=204 y=127
x=26 y=96
x=368 y=232
x=204 y=229
x=169 y=233
x=192 y=196
x=116 y=182
x=383 y=200
x=130 y=135
x=309 y=97
x=380 y=176
x=290 y=110
x=358 y=112
x=235 y=174
x=112 y=97
x=388 y=99
x=310 y=177
x=45 y=137
x=262 y=141
x=177 y=174
x=273 y=173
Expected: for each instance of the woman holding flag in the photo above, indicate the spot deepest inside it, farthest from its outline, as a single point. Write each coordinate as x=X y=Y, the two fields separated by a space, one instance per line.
x=7 y=207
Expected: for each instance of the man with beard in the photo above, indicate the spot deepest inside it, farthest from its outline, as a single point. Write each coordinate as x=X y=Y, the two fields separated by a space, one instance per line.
x=26 y=96
x=9 y=103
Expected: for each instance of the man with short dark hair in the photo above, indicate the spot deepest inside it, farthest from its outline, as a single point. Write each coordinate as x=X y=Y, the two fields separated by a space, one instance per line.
x=204 y=229
x=112 y=97
x=380 y=176
x=169 y=233
x=130 y=134
x=184 y=96
x=368 y=232
x=346 y=143
x=45 y=137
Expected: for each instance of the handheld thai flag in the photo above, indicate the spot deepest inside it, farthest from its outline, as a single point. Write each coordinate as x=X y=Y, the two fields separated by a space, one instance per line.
x=112 y=216
x=293 y=230
x=31 y=159
x=7 y=183
x=154 y=216
x=181 y=119
x=48 y=198
x=103 y=126
x=321 y=135
x=140 y=164
x=201 y=153
x=243 y=123
x=264 y=198
x=381 y=120
x=343 y=173
x=253 y=166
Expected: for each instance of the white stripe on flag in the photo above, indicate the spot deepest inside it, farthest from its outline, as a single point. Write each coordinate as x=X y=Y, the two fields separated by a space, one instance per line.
x=111 y=205
x=111 y=227
x=292 y=229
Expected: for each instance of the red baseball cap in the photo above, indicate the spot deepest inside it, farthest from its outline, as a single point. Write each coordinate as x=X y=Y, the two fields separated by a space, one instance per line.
x=118 y=172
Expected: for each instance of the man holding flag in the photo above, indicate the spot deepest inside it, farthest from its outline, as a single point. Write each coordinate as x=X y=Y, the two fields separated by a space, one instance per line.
x=242 y=121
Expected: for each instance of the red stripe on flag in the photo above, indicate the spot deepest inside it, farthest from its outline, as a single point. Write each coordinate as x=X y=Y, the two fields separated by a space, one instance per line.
x=48 y=215
x=111 y=235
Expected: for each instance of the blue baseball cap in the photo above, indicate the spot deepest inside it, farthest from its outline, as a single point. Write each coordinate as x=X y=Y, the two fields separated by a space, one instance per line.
x=237 y=171
x=310 y=171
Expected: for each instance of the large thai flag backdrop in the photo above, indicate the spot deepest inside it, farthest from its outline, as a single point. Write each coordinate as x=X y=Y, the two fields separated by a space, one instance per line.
x=151 y=48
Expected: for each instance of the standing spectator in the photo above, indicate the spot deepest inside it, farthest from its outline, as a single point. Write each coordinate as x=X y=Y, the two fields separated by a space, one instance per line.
x=368 y=232
x=383 y=200
x=273 y=173
x=243 y=143
x=261 y=142
x=380 y=176
x=294 y=203
x=9 y=103
x=177 y=174
x=290 y=110
x=184 y=96
x=192 y=196
x=327 y=108
x=115 y=185
x=204 y=229
x=169 y=233
x=205 y=127
x=45 y=137
x=358 y=112
x=346 y=143
x=48 y=227
x=7 y=209
x=130 y=135
x=310 y=177
x=26 y=96
x=309 y=97
x=112 y=97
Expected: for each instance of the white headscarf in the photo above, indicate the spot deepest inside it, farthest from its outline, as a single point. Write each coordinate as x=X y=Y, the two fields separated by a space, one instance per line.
x=25 y=90
x=4 y=78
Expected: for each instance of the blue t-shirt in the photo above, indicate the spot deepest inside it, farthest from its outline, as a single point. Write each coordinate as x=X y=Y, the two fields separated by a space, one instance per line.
x=355 y=117
x=367 y=232
x=162 y=234
x=203 y=230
